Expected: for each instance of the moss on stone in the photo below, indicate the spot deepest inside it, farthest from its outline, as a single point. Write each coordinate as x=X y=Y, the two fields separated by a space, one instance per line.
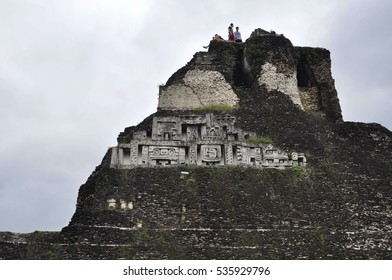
x=216 y=108
x=259 y=140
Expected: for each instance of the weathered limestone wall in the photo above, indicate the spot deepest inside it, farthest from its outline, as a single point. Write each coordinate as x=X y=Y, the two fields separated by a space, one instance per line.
x=283 y=82
x=309 y=98
x=198 y=88
x=272 y=60
x=314 y=66
x=237 y=244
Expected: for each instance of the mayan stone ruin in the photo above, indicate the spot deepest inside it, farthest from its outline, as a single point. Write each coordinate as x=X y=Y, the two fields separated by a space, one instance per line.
x=199 y=140
x=246 y=157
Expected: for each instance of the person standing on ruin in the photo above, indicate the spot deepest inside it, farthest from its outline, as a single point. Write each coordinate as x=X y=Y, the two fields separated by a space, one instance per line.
x=231 y=33
x=237 y=35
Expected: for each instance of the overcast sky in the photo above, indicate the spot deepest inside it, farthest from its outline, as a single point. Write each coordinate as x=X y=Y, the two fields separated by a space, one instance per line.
x=75 y=73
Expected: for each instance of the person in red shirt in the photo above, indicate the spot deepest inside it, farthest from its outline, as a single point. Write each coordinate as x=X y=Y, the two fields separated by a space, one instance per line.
x=231 y=33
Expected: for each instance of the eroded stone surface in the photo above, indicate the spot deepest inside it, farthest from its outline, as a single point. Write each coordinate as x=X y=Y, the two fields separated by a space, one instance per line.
x=283 y=82
x=198 y=88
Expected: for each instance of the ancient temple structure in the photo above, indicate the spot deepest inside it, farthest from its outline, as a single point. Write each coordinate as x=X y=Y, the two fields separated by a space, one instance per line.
x=246 y=157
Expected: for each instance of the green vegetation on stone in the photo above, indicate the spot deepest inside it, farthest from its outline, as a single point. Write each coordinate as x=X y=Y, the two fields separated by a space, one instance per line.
x=259 y=140
x=219 y=108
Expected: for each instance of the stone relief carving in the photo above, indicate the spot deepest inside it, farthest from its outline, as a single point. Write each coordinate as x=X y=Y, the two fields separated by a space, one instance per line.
x=199 y=140
x=211 y=153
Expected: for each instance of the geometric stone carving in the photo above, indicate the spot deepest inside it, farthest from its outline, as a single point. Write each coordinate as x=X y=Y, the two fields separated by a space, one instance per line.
x=112 y=204
x=192 y=154
x=163 y=155
x=211 y=153
x=199 y=140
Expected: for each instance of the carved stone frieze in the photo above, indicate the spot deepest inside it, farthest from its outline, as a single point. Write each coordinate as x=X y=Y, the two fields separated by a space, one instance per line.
x=199 y=140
